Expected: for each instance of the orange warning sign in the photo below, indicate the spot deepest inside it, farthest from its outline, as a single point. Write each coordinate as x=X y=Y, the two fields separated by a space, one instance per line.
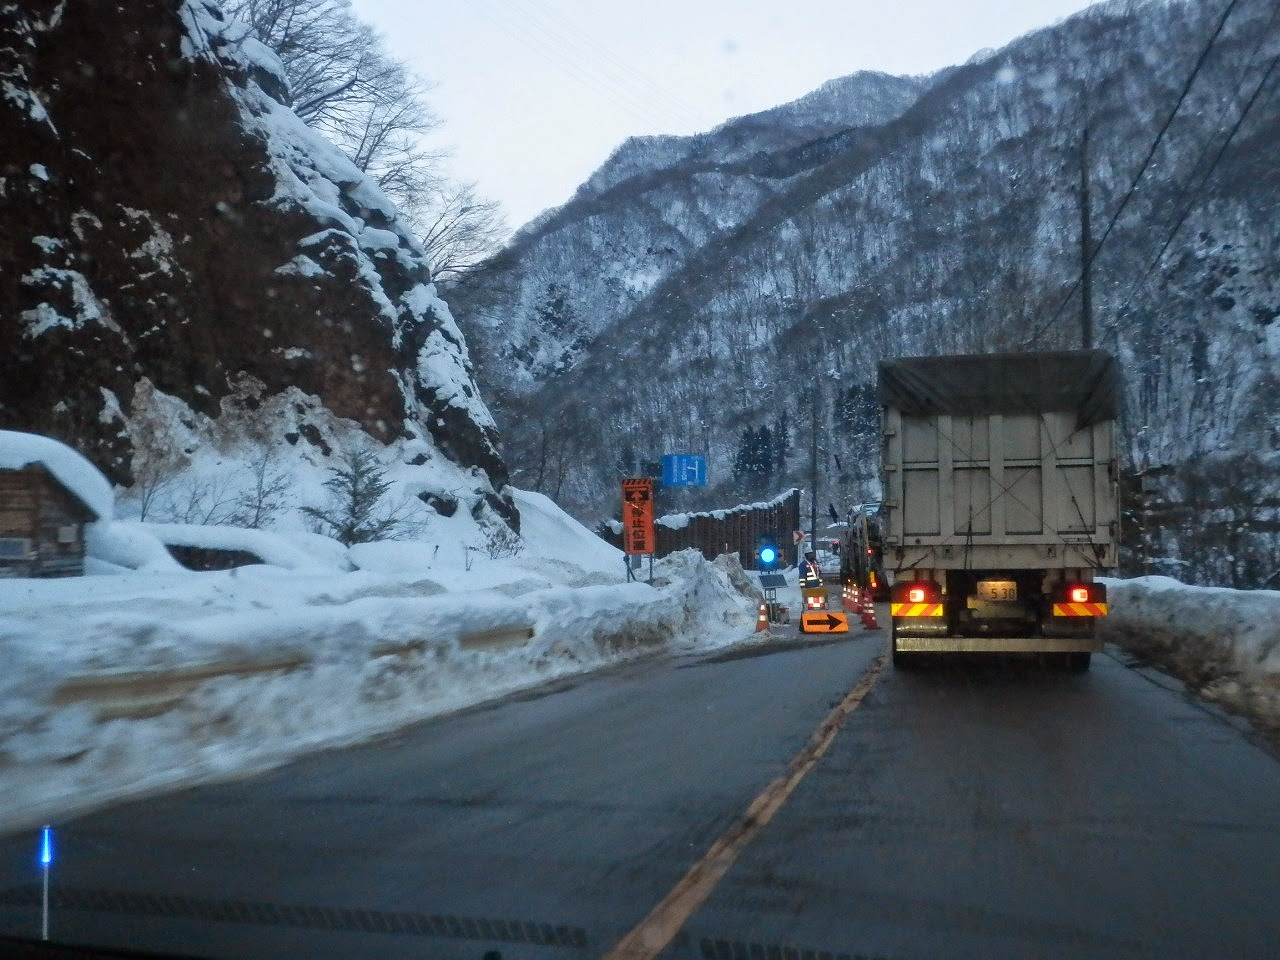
x=637 y=515
x=824 y=621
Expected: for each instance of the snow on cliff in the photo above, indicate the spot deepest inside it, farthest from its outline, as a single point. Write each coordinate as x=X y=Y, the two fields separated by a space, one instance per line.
x=194 y=274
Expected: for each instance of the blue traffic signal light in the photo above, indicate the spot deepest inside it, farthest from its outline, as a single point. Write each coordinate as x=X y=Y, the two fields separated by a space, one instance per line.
x=767 y=551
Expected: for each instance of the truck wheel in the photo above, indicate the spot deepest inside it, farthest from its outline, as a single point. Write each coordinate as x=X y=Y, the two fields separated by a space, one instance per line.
x=1078 y=662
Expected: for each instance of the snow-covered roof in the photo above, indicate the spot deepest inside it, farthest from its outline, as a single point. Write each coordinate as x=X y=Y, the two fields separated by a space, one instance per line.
x=69 y=468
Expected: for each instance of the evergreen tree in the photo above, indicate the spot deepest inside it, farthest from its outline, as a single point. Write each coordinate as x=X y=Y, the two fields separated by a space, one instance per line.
x=753 y=466
x=355 y=512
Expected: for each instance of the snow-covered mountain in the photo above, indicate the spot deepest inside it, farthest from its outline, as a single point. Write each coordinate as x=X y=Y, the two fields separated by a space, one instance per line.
x=654 y=202
x=187 y=265
x=691 y=301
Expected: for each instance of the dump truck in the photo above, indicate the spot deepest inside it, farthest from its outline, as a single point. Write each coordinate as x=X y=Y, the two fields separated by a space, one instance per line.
x=1001 y=504
x=862 y=556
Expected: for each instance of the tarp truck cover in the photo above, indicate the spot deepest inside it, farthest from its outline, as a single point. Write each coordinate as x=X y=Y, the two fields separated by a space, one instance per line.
x=1000 y=461
x=1085 y=382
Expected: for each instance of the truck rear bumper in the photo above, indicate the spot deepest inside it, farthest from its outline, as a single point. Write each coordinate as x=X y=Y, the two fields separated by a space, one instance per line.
x=997 y=644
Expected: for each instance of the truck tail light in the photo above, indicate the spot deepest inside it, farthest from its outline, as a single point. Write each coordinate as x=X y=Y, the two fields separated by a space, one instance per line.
x=917 y=591
x=1082 y=593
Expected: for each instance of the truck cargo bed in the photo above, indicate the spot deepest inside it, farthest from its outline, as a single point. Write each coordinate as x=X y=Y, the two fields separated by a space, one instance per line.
x=1000 y=462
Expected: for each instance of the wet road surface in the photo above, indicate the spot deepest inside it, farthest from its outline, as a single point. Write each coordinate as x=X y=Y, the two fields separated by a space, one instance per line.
x=968 y=809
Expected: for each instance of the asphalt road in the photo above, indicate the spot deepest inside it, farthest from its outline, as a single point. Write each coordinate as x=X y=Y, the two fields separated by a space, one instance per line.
x=961 y=811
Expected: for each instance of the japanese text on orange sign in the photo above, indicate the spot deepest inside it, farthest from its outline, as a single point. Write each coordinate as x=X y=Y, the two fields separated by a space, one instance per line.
x=637 y=515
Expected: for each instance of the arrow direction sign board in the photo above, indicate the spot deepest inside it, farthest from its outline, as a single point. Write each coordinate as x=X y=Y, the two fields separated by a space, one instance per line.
x=824 y=621
x=684 y=470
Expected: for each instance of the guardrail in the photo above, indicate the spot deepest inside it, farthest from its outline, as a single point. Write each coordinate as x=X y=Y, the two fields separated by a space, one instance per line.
x=141 y=694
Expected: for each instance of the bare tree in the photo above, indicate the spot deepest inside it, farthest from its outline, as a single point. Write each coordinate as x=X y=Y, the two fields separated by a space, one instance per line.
x=458 y=229
x=206 y=501
x=344 y=84
x=151 y=481
x=334 y=62
x=265 y=495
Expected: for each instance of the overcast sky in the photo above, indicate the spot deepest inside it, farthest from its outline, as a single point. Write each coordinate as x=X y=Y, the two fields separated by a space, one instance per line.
x=535 y=94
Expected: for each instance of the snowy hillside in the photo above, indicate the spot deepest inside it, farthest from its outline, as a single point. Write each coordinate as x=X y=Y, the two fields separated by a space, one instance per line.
x=636 y=221
x=195 y=277
x=696 y=316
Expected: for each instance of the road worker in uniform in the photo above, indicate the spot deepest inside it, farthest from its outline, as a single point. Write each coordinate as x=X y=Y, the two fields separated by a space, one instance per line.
x=810 y=575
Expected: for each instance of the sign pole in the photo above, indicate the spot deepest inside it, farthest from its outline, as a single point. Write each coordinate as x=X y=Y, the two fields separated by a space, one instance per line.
x=46 y=858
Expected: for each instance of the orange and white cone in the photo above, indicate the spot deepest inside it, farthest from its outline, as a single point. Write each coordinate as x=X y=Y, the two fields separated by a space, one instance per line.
x=762 y=618
x=868 y=612
x=848 y=599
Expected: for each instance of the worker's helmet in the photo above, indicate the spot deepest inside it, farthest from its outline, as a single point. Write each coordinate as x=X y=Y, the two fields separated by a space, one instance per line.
x=810 y=555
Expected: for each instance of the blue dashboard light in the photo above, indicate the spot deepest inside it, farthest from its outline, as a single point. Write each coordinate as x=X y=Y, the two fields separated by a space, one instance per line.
x=46 y=846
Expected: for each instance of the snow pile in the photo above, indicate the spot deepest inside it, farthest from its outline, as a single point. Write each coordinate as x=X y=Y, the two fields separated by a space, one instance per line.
x=298 y=552
x=1225 y=644
x=124 y=547
x=119 y=685
x=710 y=593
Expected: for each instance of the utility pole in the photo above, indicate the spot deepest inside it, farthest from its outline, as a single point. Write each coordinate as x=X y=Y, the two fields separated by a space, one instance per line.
x=1086 y=246
x=813 y=472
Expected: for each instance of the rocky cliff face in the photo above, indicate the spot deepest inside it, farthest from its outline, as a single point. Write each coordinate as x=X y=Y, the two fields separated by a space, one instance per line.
x=172 y=230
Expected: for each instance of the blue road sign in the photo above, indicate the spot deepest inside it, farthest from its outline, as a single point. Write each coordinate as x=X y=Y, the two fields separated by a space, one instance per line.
x=684 y=470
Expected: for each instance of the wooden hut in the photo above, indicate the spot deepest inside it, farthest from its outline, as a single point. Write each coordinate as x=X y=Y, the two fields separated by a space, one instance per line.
x=42 y=524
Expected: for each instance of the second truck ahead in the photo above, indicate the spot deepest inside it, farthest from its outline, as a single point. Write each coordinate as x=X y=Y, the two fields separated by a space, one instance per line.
x=1001 y=501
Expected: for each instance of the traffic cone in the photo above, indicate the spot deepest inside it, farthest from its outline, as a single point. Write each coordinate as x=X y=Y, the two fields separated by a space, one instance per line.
x=848 y=599
x=868 y=612
x=762 y=618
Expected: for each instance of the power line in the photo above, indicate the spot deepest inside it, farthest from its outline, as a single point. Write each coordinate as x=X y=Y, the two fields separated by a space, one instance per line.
x=1146 y=162
x=636 y=107
x=1199 y=188
x=581 y=63
x=574 y=37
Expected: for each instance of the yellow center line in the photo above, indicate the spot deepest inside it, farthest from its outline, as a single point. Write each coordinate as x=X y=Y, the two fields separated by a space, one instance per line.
x=652 y=934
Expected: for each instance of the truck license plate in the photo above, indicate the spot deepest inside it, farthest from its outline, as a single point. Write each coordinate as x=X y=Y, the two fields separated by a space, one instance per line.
x=997 y=590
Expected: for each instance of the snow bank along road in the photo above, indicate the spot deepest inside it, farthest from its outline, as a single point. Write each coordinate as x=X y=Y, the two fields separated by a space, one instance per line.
x=964 y=810
x=1225 y=644
x=117 y=686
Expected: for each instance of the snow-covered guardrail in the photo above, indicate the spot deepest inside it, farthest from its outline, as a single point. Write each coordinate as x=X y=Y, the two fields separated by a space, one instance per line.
x=123 y=685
